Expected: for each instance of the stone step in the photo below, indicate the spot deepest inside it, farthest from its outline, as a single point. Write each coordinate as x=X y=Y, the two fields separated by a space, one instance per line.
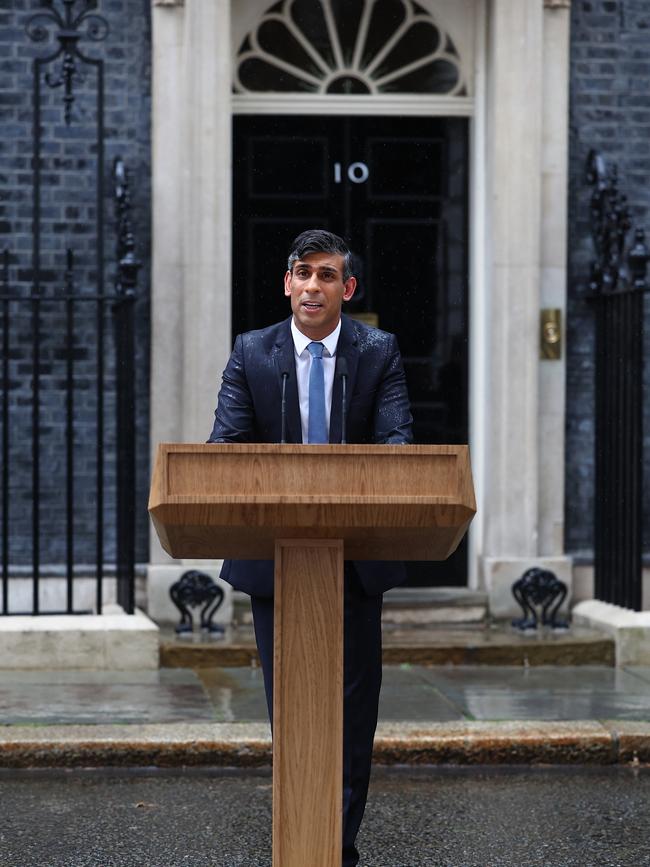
x=434 y=605
x=495 y=644
x=412 y=606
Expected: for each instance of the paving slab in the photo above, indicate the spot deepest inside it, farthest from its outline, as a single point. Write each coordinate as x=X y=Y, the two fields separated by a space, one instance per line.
x=235 y=693
x=407 y=695
x=49 y=697
x=642 y=671
x=543 y=693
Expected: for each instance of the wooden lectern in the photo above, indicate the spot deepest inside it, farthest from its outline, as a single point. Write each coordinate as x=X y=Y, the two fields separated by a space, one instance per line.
x=309 y=507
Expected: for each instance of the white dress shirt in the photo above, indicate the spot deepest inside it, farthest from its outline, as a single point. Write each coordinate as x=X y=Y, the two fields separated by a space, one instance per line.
x=303 y=364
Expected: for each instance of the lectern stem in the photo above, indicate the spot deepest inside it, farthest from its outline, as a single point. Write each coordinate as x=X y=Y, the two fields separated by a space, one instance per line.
x=308 y=703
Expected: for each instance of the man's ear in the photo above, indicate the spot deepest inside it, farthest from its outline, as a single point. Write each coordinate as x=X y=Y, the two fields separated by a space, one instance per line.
x=287 y=284
x=348 y=288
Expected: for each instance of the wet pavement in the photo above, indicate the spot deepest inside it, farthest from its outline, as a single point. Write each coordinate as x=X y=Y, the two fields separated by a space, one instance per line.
x=594 y=715
x=427 y=817
x=410 y=693
x=55 y=697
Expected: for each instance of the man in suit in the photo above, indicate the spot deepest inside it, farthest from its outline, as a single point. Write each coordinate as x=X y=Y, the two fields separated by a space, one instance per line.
x=300 y=354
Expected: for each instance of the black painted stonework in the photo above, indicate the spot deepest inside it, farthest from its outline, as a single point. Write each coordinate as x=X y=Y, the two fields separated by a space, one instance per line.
x=68 y=219
x=610 y=111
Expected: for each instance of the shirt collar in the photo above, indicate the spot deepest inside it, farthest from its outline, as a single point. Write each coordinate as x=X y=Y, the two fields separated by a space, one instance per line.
x=301 y=341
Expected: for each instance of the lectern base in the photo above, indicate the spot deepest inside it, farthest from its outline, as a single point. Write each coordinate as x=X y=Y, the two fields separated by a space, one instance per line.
x=308 y=703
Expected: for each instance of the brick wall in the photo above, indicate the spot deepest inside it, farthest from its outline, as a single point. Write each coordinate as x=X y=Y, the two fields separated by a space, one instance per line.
x=69 y=219
x=610 y=111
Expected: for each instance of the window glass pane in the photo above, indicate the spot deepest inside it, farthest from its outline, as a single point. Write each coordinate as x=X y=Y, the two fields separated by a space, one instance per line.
x=437 y=77
x=308 y=17
x=386 y=17
x=259 y=75
x=276 y=39
x=419 y=41
x=347 y=14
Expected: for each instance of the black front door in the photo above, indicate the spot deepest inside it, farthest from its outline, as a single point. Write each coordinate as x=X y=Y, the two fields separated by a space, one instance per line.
x=396 y=190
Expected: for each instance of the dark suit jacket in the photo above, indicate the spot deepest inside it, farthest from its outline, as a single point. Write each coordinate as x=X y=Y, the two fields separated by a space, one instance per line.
x=248 y=410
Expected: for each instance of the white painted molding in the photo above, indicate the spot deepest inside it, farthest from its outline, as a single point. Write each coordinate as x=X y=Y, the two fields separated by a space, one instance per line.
x=513 y=212
x=356 y=104
x=479 y=283
x=553 y=279
x=205 y=223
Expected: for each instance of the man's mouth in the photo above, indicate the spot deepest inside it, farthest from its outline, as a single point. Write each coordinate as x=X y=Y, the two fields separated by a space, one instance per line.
x=312 y=305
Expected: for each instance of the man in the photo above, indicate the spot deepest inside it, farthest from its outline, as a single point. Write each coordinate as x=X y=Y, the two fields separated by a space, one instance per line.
x=301 y=354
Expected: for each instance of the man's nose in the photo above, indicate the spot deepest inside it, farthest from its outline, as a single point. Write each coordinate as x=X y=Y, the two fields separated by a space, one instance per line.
x=312 y=283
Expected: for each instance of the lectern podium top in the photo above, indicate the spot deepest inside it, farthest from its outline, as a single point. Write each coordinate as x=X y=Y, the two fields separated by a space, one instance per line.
x=387 y=502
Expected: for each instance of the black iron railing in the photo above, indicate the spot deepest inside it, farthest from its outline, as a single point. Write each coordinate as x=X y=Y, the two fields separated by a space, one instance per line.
x=62 y=68
x=60 y=311
x=5 y=430
x=128 y=266
x=55 y=313
x=617 y=286
x=57 y=363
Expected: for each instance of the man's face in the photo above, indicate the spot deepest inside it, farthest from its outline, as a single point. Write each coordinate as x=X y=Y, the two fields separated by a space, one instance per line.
x=317 y=291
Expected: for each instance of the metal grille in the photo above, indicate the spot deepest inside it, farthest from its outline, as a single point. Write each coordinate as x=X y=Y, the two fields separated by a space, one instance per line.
x=63 y=378
x=618 y=282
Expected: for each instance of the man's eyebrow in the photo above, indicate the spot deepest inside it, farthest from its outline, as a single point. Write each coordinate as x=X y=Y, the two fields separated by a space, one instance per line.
x=331 y=268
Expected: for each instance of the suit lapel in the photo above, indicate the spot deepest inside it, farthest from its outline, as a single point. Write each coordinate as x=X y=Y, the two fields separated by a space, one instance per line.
x=284 y=360
x=348 y=348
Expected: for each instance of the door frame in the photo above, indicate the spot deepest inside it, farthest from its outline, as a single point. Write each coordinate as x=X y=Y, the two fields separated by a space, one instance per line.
x=395 y=105
x=518 y=224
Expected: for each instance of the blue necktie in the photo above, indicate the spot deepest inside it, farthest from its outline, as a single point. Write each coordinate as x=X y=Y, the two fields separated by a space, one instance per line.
x=317 y=427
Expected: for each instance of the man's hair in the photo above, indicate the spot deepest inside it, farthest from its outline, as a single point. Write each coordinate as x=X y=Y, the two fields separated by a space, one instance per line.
x=320 y=241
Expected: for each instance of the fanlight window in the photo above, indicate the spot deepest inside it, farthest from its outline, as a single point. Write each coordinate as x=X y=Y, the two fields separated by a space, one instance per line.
x=348 y=46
